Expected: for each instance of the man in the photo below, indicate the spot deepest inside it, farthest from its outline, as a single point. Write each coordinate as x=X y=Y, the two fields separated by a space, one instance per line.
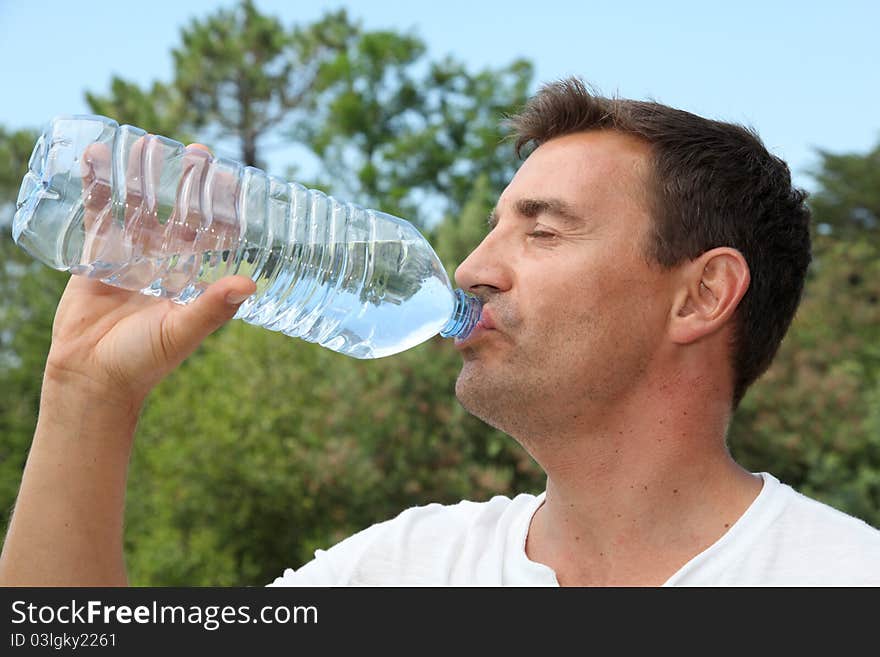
x=640 y=273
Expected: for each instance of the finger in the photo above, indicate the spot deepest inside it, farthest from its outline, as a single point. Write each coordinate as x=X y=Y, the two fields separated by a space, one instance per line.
x=182 y=231
x=191 y=324
x=143 y=187
x=95 y=174
x=102 y=240
x=187 y=218
x=163 y=218
x=218 y=201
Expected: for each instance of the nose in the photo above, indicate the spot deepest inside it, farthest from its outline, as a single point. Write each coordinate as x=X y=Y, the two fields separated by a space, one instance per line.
x=487 y=266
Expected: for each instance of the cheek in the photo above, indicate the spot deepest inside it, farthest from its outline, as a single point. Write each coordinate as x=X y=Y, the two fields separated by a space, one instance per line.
x=561 y=318
x=604 y=308
x=583 y=296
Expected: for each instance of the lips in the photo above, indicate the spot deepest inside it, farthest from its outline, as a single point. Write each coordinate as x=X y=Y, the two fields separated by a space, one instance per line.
x=486 y=323
x=486 y=320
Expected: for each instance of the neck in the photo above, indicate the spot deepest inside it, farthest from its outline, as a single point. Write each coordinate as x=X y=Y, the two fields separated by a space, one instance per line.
x=634 y=496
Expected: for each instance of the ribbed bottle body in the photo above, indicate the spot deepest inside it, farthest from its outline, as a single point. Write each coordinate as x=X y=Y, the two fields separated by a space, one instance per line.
x=144 y=213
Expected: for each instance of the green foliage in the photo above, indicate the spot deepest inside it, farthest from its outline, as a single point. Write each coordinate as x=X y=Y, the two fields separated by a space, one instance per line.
x=239 y=75
x=370 y=90
x=261 y=448
x=242 y=72
x=460 y=233
x=15 y=151
x=407 y=135
x=848 y=201
x=160 y=110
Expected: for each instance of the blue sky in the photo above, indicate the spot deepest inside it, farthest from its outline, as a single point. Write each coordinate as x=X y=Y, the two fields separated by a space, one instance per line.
x=806 y=74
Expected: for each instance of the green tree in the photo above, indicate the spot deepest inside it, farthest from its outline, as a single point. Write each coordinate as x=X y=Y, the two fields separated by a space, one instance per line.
x=160 y=109
x=408 y=135
x=460 y=233
x=465 y=120
x=243 y=74
x=847 y=202
x=370 y=94
x=15 y=151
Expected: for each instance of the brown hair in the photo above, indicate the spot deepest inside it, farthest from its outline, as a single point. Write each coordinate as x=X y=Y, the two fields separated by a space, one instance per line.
x=712 y=184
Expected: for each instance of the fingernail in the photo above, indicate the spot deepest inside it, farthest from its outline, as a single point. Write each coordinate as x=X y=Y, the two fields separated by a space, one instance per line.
x=235 y=298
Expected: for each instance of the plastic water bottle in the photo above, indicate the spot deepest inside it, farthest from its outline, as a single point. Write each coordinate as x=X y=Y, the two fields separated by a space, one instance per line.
x=143 y=212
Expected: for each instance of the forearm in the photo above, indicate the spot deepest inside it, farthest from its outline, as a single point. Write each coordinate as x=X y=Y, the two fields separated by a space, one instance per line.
x=66 y=529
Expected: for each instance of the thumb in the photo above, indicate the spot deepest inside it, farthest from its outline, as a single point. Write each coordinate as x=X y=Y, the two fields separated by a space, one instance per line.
x=211 y=310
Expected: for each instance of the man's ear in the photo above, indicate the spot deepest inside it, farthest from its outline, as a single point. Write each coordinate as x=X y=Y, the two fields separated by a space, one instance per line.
x=711 y=289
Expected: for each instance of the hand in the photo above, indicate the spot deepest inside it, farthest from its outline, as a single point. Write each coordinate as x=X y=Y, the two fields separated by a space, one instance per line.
x=118 y=343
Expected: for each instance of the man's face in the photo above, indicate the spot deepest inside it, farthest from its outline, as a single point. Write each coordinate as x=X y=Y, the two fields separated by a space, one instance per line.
x=573 y=311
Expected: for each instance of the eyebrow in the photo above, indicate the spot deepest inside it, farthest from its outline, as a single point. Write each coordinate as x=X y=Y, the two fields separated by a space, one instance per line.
x=534 y=207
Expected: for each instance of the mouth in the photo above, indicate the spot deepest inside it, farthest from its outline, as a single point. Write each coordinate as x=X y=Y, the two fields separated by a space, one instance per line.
x=486 y=324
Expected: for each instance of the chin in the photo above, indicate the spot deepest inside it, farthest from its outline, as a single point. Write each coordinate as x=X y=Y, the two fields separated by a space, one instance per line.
x=471 y=390
x=482 y=397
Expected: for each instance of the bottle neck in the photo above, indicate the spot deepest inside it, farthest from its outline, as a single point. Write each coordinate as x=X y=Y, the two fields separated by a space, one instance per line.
x=464 y=316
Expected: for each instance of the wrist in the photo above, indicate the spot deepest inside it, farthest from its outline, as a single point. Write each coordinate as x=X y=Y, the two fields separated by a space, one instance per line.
x=81 y=410
x=67 y=391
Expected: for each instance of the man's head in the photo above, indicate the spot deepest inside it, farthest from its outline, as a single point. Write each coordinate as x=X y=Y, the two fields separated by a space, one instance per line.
x=631 y=225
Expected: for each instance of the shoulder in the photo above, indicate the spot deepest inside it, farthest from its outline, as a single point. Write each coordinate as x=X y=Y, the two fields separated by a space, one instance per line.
x=422 y=545
x=786 y=538
x=810 y=519
x=823 y=543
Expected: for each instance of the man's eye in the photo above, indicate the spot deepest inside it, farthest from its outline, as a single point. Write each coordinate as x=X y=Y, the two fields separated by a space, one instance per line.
x=540 y=234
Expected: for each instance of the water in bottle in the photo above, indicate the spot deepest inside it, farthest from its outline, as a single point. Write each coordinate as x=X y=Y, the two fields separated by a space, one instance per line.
x=143 y=212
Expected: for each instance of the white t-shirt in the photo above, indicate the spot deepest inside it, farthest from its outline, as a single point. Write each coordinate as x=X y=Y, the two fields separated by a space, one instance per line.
x=783 y=539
